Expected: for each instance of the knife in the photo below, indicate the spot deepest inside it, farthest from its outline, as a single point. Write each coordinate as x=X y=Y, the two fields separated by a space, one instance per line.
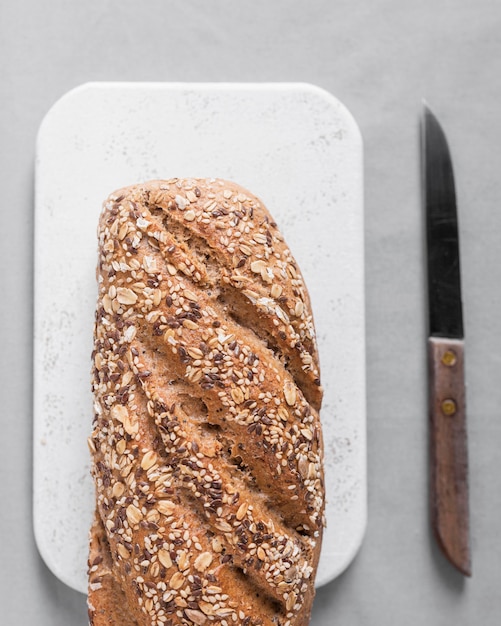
x=447 y=427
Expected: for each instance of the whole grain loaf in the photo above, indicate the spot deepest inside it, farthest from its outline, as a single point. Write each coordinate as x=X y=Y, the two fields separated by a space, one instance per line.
x=206 y=445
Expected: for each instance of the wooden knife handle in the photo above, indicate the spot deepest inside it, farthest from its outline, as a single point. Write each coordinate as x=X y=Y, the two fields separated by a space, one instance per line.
x=448 y=451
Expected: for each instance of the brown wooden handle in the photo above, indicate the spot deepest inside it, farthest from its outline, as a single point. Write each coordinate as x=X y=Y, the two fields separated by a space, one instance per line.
x=448 y=451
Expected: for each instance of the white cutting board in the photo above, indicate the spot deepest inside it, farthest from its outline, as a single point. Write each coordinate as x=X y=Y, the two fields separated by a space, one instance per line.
x=293 y=145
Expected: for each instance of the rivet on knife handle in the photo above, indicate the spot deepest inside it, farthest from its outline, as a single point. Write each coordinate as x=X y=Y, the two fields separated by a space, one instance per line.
x=448 y=451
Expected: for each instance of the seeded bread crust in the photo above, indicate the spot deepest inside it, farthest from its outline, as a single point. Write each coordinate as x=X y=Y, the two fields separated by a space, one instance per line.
x=207 y=448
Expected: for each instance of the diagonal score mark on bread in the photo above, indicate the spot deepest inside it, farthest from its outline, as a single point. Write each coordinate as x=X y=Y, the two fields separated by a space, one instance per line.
x=207 y=446
x=250 y=288
x=264 y=432
x=197 y=471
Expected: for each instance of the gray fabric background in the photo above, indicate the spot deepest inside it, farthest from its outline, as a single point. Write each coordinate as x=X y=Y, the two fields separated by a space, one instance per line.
x=379 y=57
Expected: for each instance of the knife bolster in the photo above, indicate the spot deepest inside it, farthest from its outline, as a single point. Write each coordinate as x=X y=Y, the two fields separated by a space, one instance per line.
x=448 y=450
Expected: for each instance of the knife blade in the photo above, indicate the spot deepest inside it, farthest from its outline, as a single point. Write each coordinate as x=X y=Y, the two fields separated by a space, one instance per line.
x=449 y=497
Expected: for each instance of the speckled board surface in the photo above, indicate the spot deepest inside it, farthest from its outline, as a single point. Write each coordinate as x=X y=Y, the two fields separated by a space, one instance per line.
x=293 y=145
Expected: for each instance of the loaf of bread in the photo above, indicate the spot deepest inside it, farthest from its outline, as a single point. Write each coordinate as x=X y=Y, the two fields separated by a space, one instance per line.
x=206 y=445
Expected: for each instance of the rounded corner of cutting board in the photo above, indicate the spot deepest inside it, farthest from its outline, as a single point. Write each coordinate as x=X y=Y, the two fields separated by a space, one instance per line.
x=338 y=105
x=47 y=554
x=58 y=108
x=324 y=577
